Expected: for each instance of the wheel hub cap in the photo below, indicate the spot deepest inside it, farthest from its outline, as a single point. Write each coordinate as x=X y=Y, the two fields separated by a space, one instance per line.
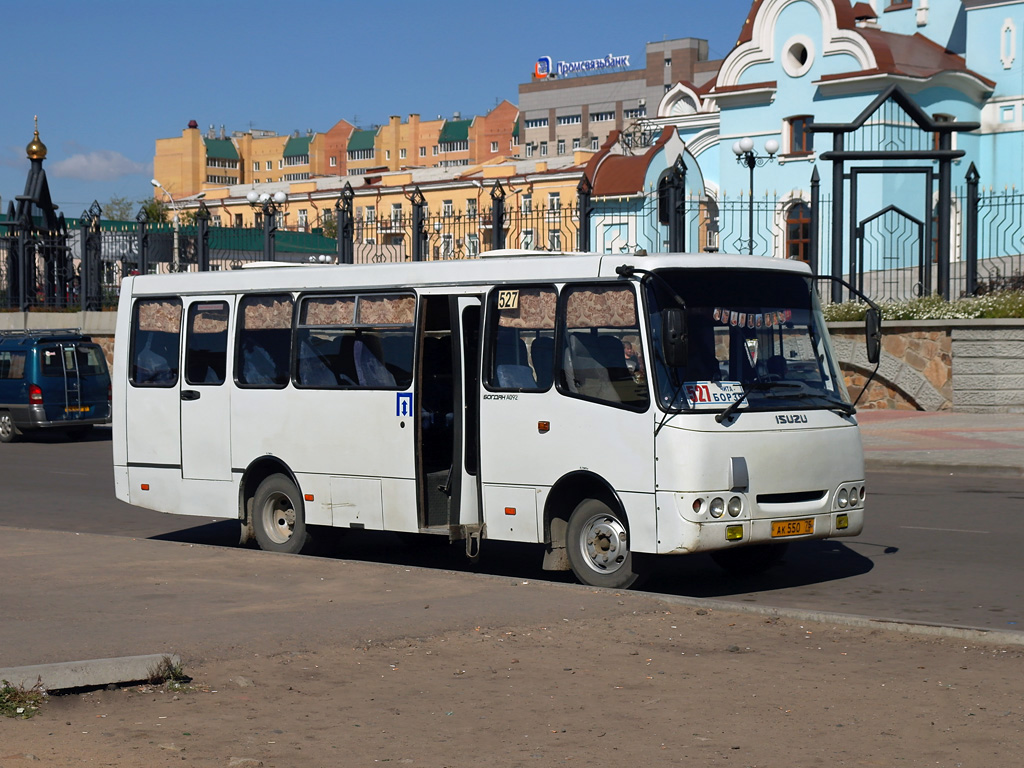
x=604 y=542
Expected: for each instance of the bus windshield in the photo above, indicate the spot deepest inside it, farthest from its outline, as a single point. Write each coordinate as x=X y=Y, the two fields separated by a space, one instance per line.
x=753 y=336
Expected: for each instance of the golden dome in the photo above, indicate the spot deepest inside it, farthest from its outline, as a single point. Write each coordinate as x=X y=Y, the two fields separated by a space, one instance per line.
x=36 y=150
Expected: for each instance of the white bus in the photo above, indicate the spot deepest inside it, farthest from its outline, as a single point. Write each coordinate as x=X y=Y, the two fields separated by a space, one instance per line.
x=605 y=407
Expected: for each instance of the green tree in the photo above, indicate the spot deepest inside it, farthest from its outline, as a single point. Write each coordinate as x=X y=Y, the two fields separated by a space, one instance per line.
x=119 y=209
x=330 y=226
x=156 y=210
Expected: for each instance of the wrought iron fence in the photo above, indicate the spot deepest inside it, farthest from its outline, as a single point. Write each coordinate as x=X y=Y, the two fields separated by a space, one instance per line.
x=80 y=266
x=1000 y=242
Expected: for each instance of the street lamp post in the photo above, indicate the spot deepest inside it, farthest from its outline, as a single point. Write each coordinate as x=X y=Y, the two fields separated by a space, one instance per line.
x=176 y=251
x=745 y=155
x=269 y=206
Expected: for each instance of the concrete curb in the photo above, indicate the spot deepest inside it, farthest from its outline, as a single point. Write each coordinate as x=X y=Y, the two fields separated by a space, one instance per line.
x=971 y=634
x=90 y=673
x=939 y=468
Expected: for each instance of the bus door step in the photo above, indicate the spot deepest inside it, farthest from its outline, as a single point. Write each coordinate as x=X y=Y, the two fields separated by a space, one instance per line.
x=473 y=534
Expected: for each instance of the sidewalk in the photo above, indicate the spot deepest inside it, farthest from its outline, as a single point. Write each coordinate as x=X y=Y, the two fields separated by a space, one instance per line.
x=989 y=444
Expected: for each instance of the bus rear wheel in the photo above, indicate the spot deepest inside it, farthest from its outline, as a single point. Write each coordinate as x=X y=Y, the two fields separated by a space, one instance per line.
x=278 y=517
x=598 y=546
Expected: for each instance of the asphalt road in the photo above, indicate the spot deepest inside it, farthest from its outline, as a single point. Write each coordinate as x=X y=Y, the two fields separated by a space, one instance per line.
x=941 y=549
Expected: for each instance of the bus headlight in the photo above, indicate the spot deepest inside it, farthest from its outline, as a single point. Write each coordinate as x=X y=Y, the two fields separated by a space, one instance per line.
x=853 y=497
x=844 y=498
x=717 y=508
x=735 y=506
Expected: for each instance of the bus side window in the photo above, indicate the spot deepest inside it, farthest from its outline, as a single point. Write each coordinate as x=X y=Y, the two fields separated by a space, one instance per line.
x=155 y=343
x=597 y=320
x=263 y=346
x=206 y=345
x=364 y=340
x=520 y=338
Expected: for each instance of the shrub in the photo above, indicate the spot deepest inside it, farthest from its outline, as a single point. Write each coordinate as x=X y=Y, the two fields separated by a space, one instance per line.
x=998 y=304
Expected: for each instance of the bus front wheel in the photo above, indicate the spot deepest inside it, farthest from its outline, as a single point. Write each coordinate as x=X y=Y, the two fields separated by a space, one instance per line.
x=598 y=546
x=278 y=517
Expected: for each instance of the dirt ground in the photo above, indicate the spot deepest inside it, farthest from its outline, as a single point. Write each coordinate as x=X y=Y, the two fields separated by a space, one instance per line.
x=661 y=685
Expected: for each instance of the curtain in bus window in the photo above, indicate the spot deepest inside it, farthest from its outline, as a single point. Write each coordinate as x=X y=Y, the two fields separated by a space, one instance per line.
x=387 y=310
x=521 y=340
x=264 y=341
x=155 y=342
x=206 y=346
x=600 y=353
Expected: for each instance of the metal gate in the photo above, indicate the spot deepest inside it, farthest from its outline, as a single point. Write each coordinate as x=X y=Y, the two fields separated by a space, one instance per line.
x=891 y=255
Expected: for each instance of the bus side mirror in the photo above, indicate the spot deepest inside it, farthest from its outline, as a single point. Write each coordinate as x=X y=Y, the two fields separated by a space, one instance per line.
x=873 y=334
x=673 y=337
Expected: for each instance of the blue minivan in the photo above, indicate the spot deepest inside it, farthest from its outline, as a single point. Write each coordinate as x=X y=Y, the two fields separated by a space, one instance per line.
x=51 y=380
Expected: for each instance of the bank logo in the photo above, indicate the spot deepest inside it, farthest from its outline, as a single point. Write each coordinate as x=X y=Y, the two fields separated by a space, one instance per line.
x=542 y=68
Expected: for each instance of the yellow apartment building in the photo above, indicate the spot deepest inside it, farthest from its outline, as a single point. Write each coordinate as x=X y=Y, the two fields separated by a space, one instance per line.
x=458 y=201
x=196 y=162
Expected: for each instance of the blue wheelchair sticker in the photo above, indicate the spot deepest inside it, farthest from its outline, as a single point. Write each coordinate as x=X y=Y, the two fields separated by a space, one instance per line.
x=403 y=405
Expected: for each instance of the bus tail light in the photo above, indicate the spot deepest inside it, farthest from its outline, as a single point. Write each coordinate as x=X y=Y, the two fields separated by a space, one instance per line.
x=35 y=394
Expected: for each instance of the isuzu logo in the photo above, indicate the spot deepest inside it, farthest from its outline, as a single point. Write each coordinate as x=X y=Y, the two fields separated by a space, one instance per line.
x=791 y=419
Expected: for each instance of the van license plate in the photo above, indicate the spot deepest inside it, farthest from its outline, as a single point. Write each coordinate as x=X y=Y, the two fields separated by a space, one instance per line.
x=792 y=527
x=77 y=409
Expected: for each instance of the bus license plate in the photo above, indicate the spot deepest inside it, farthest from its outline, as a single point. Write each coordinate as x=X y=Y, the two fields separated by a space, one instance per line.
x=792 y=527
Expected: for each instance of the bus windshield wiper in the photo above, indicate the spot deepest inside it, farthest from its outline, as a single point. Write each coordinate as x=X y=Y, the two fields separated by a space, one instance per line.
x=754 y=386
x=846 y=409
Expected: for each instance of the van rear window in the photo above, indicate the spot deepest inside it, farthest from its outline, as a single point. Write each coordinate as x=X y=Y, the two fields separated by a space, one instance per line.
x=90 y=359
x=51 y=363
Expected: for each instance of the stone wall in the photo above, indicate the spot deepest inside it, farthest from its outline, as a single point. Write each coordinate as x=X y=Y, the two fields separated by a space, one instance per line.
x=988 y=368
x=933 y=365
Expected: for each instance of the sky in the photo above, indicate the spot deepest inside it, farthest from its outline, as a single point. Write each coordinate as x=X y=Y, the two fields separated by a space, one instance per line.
x=108 y=78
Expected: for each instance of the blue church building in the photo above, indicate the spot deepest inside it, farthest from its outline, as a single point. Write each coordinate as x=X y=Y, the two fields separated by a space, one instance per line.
x=880 y=140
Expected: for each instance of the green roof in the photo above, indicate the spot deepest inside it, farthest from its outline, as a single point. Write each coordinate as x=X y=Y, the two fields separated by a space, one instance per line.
x=296 y=147
x=361 y=140
x=454 y=130
x=222 y=149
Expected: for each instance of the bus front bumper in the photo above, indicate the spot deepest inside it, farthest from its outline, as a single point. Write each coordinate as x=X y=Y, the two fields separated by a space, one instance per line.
x=682 y=530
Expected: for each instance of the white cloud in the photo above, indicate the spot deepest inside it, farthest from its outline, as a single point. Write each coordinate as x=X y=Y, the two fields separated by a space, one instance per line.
x=102 y=165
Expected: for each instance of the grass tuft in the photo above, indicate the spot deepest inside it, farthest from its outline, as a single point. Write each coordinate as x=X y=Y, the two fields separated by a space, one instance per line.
x=20 y=702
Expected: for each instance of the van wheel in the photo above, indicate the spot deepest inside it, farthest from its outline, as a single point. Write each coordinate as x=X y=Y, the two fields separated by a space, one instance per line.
x=278 y=517
x=8 y=432
x=598 y=546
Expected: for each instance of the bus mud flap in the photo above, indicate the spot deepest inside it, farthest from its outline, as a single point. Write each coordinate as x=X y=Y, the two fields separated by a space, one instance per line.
x=474 y=536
